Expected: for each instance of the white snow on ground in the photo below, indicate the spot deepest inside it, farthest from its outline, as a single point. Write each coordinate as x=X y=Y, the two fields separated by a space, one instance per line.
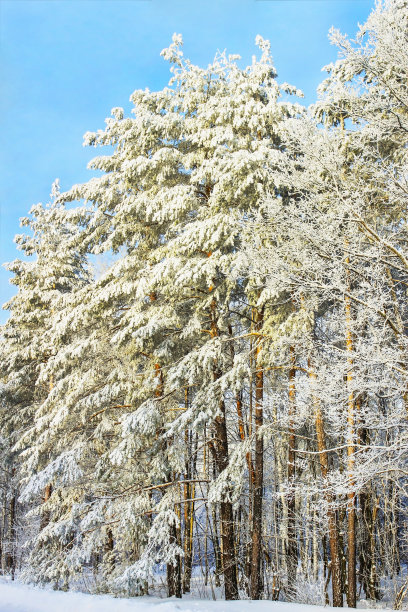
x=17 y=597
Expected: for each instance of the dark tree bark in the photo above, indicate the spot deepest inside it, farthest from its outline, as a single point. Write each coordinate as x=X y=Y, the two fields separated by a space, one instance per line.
x=109 y=547
x=256 y=566
x=216 y=548
x=226 y=514
x=229 y=563
x=189 y=492
x=174 y=570
x=292 y=551
x=10 y=557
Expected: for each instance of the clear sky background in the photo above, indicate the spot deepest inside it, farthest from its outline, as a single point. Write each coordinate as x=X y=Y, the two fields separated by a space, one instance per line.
x=66 y=63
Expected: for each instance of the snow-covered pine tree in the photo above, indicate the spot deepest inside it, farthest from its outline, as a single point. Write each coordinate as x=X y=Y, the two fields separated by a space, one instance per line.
x=183 y=175
x=43 y=284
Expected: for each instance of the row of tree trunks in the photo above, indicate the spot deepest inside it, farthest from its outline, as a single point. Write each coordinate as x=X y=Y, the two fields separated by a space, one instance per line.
x=342 y=581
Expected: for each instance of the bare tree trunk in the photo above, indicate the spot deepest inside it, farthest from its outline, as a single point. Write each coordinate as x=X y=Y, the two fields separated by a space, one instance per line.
x=245 y=430
x=242 y=435
x=188 y=535
x=189 y=492
x=315 y=546
x=217 y=549
x=109 y=556
x=373 y=591
x=4 y=532
x=367 y=556
x=256 y=568
x=229 y=564
x=331 y=513
x=226 y=514
x=351 y=505
x=11 y=537
x=291 y=544
x=173 y=570
x=251 y=480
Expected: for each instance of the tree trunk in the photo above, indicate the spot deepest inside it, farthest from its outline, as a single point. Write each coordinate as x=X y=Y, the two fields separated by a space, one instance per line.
x=242 y=435
x=228 y=559
x=226 y=514
x=189 y=492
x=351 y=505
x=11 y=536
x=217 y=549
x=109 y=547
x=367 y=561
x=256 y=566
x=291 y=543
x=188 y=535
x=4 y=532
x=251 y=480
x=331 y=513
x=173 y=570
x=373 y=590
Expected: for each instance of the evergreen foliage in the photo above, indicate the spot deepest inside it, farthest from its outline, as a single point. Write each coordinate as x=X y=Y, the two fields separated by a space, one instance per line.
x=226 y=404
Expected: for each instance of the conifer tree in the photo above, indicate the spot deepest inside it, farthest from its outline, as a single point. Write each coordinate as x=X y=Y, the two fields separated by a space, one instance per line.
x=229 y=395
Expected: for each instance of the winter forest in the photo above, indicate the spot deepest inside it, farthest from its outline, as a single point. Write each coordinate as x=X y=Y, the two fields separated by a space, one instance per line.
x=204 y=371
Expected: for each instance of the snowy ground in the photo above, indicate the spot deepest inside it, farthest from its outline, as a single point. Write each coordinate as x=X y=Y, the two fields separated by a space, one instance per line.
x=16 y=597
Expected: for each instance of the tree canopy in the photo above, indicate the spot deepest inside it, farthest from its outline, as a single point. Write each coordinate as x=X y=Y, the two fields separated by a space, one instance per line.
x=224 y=406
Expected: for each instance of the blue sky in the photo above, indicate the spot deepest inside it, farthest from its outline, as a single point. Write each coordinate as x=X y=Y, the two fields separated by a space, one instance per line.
x=66 y=63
